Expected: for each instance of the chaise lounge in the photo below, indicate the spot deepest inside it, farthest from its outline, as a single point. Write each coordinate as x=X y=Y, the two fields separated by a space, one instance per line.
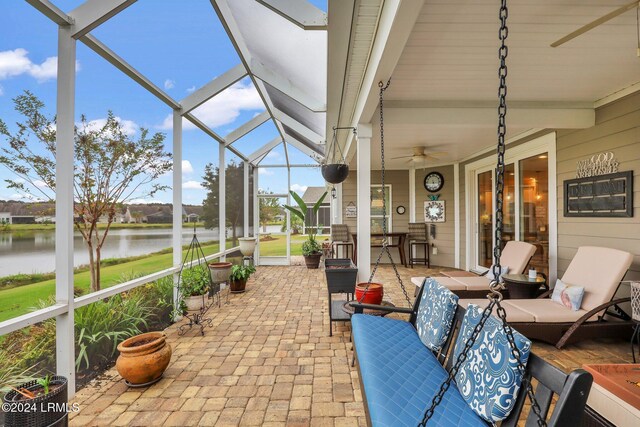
x=515 y=258
x=599 y=270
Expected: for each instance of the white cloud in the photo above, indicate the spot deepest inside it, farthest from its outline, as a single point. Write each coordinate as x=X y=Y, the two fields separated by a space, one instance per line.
x=169 y=84
x=129 y=127
x=187 y=167
x=144 y=201
x=40 y=184
x=16 y=62
x=191 y=89
x=192 y=185
x=265 y=172
x=223 y=108
x=1 y=90
x=299 y=188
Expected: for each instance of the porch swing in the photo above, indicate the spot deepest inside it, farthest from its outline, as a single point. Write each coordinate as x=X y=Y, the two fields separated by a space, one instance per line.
x=406 y=368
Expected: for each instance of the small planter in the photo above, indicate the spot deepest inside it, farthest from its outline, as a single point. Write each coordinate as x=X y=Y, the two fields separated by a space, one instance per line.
x=335 y=173
x=143 y=358
x=247 y=245
x=341 y=275
x=220 y=271
x=373 y=295
x=194 y=303
x=237 y=286
x=43 y=410
x=312 y=261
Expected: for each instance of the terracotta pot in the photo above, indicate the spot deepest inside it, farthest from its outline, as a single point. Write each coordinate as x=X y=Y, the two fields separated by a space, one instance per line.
x=312 y=261
x=374 y=293
x=194 y=303
x=247 y=245
x=237 y=286
x=144 y=363
x=220 y=271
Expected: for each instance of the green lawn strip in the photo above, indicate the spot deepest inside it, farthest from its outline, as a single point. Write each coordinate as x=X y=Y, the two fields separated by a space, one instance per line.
x=20 y=300
x=278 y=247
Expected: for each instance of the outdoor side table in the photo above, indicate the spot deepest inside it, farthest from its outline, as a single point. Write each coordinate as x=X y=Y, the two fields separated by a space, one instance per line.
x=520 y=286
x=349 y=310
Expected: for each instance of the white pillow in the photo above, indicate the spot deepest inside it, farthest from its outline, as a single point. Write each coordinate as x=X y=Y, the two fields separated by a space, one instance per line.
x=503 y=270
x=567 y=295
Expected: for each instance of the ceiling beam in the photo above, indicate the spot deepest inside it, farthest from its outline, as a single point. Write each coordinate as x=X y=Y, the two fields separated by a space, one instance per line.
x=102 y=50
x=297 y=126
x=244 y=129
x=51 y=11
x=93 y=13
x=527 y=115
x=213 y=88
x=287 y=87
x=264 y=149
x=301 y=13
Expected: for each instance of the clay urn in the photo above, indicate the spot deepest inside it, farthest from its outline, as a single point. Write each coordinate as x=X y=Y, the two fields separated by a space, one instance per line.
x=143 y=358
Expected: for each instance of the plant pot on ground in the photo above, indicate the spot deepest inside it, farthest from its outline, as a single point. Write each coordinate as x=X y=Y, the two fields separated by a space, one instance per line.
x=239 y=276
x=194 y=285
x=41 y=402
x=143 y=358
x=372 y=294
x=311 y=249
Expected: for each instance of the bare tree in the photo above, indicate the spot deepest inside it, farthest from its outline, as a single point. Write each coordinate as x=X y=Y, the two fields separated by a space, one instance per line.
x=110 y=168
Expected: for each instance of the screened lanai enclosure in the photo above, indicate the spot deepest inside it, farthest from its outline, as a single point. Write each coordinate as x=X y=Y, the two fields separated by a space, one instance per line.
x=281 y=50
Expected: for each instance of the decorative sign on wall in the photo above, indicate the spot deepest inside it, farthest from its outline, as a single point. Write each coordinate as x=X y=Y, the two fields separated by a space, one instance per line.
x=609 y=195
x=434 y=211
x=596 y=165
x=351 y=211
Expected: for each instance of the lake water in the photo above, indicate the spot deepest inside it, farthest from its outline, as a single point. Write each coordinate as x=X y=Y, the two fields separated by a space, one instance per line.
x=34 y=251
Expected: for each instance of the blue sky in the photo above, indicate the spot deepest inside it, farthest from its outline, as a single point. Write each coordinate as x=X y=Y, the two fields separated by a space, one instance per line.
x=179 y=45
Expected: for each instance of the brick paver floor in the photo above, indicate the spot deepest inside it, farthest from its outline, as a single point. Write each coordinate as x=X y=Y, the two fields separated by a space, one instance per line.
x=268 y=360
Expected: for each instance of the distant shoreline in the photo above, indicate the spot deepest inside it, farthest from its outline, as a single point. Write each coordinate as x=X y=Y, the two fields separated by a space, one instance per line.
x=114 y=226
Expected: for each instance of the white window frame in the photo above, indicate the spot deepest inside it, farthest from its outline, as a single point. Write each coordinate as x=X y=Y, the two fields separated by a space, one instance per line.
x=543 y=144
x=389 y=205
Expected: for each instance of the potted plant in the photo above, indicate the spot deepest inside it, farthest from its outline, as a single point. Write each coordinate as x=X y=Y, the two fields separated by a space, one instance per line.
x=311 y=249
x=194 y=286
x=239 y=276
x=143 y=358
x=41 y=402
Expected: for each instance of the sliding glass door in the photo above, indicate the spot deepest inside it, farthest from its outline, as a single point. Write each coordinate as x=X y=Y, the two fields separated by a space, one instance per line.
x=534 y=207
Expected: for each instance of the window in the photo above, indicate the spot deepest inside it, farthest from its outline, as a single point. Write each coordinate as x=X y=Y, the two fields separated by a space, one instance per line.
x=377 y=207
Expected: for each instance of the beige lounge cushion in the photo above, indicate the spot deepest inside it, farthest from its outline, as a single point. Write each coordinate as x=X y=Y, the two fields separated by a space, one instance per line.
x=458 y=273
x=543 y=310
x=599 y=271
x=417 y=281
x=517 y=255
x=451 y=284
x=477 y=283
x=513 y=314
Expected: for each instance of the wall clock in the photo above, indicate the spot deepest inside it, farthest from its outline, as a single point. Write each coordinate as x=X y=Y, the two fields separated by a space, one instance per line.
x=401 y=210
x=433 y=182
x=434 y=211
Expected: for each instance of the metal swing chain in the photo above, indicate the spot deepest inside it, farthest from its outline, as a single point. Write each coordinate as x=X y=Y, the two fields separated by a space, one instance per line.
x=385 y=243
x=495 y=295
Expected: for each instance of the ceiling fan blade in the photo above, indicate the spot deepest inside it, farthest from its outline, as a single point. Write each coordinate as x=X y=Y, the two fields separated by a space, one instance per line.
x=591 y=25
x=436 y=153
x=401 y=157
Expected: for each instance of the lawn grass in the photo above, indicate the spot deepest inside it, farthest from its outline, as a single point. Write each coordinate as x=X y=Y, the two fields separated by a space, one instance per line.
x=20 y=300
x=278 y=247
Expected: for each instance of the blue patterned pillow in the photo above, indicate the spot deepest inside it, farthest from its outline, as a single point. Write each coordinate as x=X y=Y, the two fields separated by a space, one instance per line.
x=489 y=379
x=435 y=314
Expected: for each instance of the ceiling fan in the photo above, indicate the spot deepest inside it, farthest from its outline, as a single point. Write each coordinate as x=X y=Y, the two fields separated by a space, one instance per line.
x=420 y=156
x=596 y=23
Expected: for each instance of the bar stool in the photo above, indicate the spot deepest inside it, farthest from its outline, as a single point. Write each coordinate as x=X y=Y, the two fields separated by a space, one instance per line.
x=340 y=239
x=417 y=238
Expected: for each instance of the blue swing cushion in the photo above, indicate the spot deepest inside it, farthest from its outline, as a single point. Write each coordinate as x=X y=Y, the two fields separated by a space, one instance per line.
x=435 y=314
x=489 y=379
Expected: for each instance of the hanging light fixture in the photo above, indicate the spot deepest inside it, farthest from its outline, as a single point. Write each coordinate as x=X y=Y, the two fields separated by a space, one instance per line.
x=335 y=173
